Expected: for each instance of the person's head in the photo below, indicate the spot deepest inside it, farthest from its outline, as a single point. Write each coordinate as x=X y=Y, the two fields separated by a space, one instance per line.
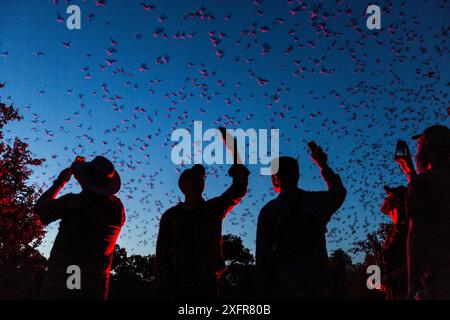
x=394 y=203
x=97 y=176
x=433 y=148
x=287 y=175
x=192 y=181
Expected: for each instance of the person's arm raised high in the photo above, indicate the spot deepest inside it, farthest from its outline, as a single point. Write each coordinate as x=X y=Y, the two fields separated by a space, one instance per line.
x=335 y=196
x=47 y=206
x=238 y=189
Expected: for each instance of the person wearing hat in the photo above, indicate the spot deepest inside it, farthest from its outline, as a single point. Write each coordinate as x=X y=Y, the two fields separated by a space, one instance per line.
x=189 y=247
x=90 y=223
x=393 y=255
x=428 y=208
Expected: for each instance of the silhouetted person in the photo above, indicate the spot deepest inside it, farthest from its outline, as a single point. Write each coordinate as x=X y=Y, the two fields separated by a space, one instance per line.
x=291 y=254
x=189 y=248
x=90 y=223
x=428 y=208
x=394 y=280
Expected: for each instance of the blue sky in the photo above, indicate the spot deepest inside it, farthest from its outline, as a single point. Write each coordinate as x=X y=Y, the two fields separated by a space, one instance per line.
x=354 y=91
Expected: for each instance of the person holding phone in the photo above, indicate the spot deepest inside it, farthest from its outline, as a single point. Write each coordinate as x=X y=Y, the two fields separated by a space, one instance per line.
x=90 y=223
x=291 y=254
x=404 y=160
x=428 y=209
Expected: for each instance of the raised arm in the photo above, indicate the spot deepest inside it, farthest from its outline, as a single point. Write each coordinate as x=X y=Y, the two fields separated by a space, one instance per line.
x=238 y=189
x=407 y=166
x=336 y=190
x=335 y=196
x=47 y=206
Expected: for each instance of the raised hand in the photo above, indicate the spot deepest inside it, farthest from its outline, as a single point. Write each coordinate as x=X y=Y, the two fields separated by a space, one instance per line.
x=406 y=163
x=239 y=172
x=319 y=156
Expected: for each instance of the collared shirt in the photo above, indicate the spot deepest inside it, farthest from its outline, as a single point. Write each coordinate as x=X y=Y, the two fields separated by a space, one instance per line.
x=291 y=254
x=189 y=246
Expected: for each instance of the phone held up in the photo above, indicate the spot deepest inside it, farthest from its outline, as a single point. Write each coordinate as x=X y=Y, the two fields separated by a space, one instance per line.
x=401 y=151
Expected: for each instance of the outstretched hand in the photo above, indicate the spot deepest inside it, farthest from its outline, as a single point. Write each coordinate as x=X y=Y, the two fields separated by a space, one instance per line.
x=239 y=171
x=319 y=157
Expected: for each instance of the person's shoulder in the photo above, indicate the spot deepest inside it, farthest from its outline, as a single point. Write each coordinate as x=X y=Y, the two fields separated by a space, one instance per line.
x=172 y=212
x=269 y=207
x=116 y=204
x=118 y=207
x=116 y=200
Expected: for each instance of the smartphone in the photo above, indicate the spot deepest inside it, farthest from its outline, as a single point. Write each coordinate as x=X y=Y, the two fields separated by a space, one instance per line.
x=312 y=146
x=401 y=151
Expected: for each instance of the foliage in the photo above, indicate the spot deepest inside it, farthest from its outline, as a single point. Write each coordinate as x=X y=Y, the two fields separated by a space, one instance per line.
x=21 y=231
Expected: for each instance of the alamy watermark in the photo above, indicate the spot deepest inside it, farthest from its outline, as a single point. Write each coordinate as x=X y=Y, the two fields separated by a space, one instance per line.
x=74 y=20
x=213 y=151
x=374 y=20
x=374 y=280
x=73 y=281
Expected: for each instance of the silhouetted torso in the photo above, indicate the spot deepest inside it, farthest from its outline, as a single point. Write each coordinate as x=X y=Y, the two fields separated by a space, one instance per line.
x=291 y=255
x=88 y=231
x=189 y=249
x=195 y=242
x=429 y=204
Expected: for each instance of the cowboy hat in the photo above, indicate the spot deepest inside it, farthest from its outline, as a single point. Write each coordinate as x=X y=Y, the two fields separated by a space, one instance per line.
x=98 y=175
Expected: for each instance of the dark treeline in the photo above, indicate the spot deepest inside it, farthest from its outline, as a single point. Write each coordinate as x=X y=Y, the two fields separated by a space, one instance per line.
x=132 y=276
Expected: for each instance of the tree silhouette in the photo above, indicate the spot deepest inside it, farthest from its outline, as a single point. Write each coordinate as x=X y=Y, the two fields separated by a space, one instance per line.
x=372 y=246
x=238 y=281
x=342 y=271
x=234 y=251
x=349 y=279
x=21 y=231
x=132 y=276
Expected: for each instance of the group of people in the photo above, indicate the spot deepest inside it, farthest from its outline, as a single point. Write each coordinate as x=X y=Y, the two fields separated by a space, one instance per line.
x=291 y=254
x=415 y=259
